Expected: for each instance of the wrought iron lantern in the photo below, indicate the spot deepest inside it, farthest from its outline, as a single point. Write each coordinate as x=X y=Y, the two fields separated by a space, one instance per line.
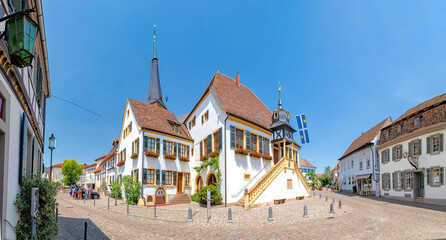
x=21 y=32
x=52 y=144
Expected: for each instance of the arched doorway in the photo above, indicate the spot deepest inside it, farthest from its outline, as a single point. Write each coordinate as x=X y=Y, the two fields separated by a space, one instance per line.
x=160 y=196
x=211 y=179
x=198 y=183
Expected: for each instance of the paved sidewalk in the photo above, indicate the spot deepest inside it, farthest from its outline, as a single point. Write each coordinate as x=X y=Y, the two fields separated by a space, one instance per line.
x=359 y=218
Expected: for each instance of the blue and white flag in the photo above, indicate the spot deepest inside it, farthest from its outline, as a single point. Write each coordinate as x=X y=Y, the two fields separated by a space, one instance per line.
x=302 y=124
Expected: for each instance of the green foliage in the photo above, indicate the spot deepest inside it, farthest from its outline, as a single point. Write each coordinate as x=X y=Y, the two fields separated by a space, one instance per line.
x=132 y=190
x=214 y=161
x=195 y=198
x=71 y=171
x=46 y=223
x=325 y=179
x=116 y=190
x=58 y=184
x=327 y=170
x=216 y=197
x=313 y=178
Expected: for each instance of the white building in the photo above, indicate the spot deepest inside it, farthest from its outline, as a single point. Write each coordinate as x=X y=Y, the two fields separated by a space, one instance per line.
x=89 y=175
x=412 y=154
x=306 y=167
x=358 y=166
x=56 y=174
x=23 y=93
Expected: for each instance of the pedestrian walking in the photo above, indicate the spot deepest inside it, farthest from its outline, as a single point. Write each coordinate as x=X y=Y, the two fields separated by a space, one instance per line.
x=86 y=193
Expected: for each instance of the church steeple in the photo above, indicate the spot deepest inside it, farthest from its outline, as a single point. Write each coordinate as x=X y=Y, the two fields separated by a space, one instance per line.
x=155 y=94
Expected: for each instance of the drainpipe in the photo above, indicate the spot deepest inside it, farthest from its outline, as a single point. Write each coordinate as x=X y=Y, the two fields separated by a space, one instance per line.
x=142 y=169
x=226 y=156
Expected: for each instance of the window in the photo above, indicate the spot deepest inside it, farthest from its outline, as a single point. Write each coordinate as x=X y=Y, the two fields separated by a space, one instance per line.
x=399 y=180
x=289 y=183
x=215 y=136
x=353 y=163
x=205 y=117
x=408 y=180
x=205 y=146
x=128 y=113
x=436 y=144
x=349 y=180
x=135 y=175
x=386 y=181
x=238 y=138
x=385 y=156
x=276 y=114
x=415 y=148
x=399 y=130
x=182 y=149
x=360 y=164
x=246 y=177
x=150 y=176
x=417 y=122
x=151 y=145
x=254 y=142
x=169 y=148
x=135 y=146
x=436 y=176
x=398 y=152
x=186 y=179
x=192 y=123
x=368 y=163
x=387 y=134
x=169 y=177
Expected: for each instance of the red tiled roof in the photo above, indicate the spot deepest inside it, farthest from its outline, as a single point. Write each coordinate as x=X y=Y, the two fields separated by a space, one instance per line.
x=153 y=116
x=318 y=175
x=109 y=156
x=58 y=165
x=420 y=107
x=99 y=158
x=364 y=138
x=305 y=163
x=91 y=165
x=336 y=167
x=97 y=169
x=240 y=102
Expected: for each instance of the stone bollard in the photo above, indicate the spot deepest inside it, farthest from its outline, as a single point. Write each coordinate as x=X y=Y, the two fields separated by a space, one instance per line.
x=84 y=200
x=116 y=201
x=270 y=214
x=326 y=198
x=94 y=201
x=333 y=200
x=230 y=216
x=320 y=196
x=340 y=204
x=85 y=231
x=154 y=210
x=108 y=203
x=332 y=208
x=305 y=211
x=189 y=215
x=127 y=207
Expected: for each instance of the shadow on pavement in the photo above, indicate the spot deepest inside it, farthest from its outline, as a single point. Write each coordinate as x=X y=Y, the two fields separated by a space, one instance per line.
x=74 y=228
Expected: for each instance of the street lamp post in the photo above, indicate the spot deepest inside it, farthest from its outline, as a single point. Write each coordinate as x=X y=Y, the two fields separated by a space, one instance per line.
x=52 y=146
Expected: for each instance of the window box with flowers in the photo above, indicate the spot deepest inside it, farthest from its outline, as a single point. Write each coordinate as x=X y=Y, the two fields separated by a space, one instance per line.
x=204 y=158
x=134 y=155
x=255 y=154
x=152 y=154
x=241 y=151
x=121 y=163
x=170 y=156
x=184 y=159
x=267 y=157
x=214 y=154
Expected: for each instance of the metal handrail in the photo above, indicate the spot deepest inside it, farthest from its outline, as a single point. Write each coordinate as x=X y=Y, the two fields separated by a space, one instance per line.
x=246 y=185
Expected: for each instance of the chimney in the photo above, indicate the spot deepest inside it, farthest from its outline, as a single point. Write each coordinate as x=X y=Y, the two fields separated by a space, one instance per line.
x=237 y=80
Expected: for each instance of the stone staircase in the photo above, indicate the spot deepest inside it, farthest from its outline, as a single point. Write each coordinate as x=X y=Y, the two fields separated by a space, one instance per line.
x=241 y=202
x=180 y=198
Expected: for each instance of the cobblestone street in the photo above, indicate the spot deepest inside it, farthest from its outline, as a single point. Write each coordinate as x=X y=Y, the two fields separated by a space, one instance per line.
x=359 y=218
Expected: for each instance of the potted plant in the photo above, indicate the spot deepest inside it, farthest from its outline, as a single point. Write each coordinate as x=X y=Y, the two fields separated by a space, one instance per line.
x=255 y=154
x=152 y=154
x=134 y=155
x=214 y=153
x=184 y=159
x=241 y=151
x=204 y=158
x=121 y=163
x=170 y=156
x=267 y=157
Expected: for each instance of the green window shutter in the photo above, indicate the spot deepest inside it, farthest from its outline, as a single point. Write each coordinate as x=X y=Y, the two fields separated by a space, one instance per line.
x=125 y=154
x=130 y=126
x=163 y=177
x=419 y=148
x=232 y=137
x=260 y=145
x=428 y=177
x=220 y=139
x=382 y=181
x=441 y=143
x=442 y=175
x=410 y=148
x=137 y=175
x=388 y=155
x=393 y=154
x=393 y=176
x=144 y=176
x=201 y=148
x=137 y=145
x=248 y=140
x=267 y=147
x=146 y=143
x=202 y=119
x=174 y=178
x=188 y=152
x=158 y=145
x=131 y=174
x=404 y=180
x=209 y=139
x=428 y=145
x=175 y=148
x=23 y=149
x=133 y=147
x=158 y=177
x=401 y=151
x=164 y=147
x=411 y=179
x=382 y=156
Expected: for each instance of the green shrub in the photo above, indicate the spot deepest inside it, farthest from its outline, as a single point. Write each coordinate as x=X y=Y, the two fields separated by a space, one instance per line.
x=216 y=198
x=132 y=190
x=46 y=222
x=116 y=190
x=195 y=198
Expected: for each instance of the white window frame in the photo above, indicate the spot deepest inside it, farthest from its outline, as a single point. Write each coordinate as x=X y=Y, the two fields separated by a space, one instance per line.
x=437 y=136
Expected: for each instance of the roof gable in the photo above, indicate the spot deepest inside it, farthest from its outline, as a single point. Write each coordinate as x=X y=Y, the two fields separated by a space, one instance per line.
x=422 y=106
x=305 y=163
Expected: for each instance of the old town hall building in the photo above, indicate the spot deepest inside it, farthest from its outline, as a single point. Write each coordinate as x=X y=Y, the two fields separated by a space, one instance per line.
x=257 y=157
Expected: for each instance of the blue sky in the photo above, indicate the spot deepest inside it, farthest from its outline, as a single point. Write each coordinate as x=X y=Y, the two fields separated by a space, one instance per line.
x=346 y=64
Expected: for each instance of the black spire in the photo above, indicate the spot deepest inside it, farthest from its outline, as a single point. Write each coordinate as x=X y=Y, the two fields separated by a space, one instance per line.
x=155 y=94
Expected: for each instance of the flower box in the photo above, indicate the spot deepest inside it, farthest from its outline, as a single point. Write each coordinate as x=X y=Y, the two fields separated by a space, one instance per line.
x=121 y=163
x=184 y=159
x=267 y=157
x=135 y=155
x=204 y=158
x=152 y=154
x=170 y=156
x=255 y=154
x=214 y=154
x=241 y=151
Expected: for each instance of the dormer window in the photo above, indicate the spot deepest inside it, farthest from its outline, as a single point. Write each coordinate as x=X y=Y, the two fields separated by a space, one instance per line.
x=276 y=114
x=399 y=130
x=174 y=126
x=387 y=134
x=417 y=121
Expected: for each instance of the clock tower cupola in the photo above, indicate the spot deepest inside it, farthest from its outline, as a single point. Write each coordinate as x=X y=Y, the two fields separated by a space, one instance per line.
x=280 y=126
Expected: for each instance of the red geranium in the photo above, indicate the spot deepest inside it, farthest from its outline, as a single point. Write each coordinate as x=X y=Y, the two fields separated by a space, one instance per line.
x=152 y=154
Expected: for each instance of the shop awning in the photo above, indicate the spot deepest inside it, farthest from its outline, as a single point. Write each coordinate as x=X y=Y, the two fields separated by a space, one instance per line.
x=363 y=176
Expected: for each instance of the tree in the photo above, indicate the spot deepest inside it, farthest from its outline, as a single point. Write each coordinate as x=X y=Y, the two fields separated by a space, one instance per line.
x=328 y=170
x=71 y=171
x=116 y=190
x=325 y=179
x=131 y=190
x=313 y=178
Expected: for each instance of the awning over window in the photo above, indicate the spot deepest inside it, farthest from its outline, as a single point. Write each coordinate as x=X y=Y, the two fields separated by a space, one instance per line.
x=364 y=176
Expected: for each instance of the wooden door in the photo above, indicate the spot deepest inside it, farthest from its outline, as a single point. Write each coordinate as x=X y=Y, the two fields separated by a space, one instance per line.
x=180 y=182
x=160 y=196
x=276 y=156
